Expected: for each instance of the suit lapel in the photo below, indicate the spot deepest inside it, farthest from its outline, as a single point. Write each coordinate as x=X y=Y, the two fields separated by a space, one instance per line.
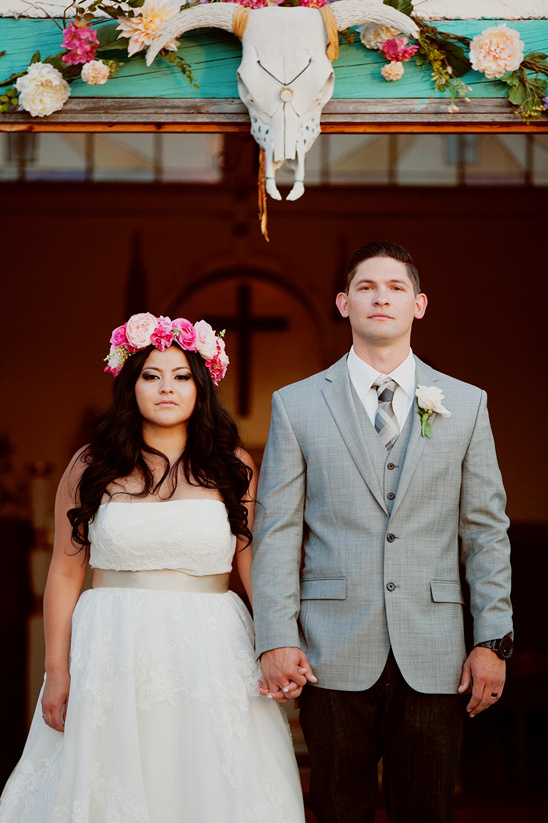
x=338 y=396
x=424 y=376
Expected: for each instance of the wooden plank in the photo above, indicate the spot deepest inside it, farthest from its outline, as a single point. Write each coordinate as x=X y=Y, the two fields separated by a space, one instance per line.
x=215 y=55
x=231 y=115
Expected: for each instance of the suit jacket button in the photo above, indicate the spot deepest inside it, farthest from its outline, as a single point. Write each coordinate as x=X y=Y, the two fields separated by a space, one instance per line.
x=391 y=587
x=391 y=466
x=391 y=495
x=390 y=537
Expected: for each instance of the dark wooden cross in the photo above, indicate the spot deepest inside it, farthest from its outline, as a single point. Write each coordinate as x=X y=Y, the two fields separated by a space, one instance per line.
x=245 y=324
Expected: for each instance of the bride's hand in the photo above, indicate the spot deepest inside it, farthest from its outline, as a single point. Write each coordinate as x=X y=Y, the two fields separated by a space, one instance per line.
x=55 y=699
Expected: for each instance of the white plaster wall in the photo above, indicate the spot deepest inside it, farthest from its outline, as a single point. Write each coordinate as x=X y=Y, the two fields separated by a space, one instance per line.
x=429 y=9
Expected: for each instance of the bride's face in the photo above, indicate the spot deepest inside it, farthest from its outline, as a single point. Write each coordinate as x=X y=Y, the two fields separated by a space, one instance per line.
x=165 y=390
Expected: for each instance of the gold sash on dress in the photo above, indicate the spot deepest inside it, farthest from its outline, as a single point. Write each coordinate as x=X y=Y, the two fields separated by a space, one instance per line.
x=160 y=580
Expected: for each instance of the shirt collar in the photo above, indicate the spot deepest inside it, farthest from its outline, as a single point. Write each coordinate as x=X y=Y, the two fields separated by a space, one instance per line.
x=363 y=375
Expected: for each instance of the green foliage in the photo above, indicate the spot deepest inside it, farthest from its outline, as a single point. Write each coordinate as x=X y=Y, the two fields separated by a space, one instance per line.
x=405 y=6
x=456 y=58
x=8 y=99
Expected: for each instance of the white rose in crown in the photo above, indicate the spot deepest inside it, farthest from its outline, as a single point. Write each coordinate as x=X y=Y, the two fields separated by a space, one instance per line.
x=429 y=402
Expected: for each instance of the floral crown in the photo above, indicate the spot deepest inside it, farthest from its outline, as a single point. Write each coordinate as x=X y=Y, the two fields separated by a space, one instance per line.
x=142 y=330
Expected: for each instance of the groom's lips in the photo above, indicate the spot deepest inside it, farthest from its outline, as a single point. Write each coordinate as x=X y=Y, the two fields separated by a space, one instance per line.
x=385 y=316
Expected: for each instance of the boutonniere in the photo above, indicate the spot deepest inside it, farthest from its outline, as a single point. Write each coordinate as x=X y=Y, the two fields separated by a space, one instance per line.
x=429 y=402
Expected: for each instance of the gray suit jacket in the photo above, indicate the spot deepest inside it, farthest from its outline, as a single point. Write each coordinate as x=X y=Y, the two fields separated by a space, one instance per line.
x=319 y=490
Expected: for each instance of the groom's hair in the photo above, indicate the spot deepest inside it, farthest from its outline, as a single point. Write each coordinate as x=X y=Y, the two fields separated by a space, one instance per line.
x=382 y=248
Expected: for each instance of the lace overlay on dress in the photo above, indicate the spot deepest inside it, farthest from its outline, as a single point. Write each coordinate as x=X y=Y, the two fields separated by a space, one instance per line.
x=164 y=724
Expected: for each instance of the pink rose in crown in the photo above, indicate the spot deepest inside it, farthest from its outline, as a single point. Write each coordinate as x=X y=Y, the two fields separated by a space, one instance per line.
x=187 y=335
x=162 y=336
x=206 y=342
x=118 y=336
x=139 y=330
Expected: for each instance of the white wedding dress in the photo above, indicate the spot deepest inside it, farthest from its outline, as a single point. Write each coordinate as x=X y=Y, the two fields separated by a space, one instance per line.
x=164 y=724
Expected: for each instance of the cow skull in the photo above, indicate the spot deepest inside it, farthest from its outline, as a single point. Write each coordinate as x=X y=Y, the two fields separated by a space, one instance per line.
x=285 y=77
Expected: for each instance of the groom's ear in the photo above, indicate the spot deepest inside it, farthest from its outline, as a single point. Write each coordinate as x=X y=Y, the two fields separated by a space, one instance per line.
x=421 y=302
x=342 y=303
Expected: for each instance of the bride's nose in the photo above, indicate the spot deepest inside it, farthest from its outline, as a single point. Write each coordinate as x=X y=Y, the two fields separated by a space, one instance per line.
x=166 y=389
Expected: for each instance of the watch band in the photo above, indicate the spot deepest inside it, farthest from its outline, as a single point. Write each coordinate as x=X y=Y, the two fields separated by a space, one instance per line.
x=503 y=646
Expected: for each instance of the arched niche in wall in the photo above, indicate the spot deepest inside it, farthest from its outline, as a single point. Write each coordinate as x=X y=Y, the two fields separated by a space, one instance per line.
x=274 y=336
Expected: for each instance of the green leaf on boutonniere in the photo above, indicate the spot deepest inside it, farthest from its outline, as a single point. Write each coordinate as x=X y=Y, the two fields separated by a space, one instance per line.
x=426 y=431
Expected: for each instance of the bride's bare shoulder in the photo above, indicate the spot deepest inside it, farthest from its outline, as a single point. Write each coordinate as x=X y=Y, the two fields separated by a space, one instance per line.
x=67 y=490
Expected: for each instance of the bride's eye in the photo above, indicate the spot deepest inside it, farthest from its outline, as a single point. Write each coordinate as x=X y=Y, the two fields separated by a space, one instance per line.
x=183 y=377
x=149 y=376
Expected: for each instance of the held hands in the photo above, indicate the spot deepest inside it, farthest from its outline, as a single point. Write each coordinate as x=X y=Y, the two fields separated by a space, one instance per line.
x=55 y=699
x=285 y=672
x=486 y=673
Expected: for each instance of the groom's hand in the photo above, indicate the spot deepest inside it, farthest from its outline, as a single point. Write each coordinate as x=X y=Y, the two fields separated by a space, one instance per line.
x=285 y=672
x=486 y=673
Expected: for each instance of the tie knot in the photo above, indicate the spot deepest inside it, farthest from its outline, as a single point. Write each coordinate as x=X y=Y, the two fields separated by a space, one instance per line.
x=385 y=388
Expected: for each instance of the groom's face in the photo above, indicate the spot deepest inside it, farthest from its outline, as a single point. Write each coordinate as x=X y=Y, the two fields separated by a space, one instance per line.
x=381 y=303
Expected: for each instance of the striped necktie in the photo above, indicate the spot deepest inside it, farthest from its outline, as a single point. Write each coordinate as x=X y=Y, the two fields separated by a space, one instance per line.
x=386 y=422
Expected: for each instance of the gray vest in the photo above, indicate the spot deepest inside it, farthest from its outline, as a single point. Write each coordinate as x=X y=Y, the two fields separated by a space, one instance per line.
x=387 y=464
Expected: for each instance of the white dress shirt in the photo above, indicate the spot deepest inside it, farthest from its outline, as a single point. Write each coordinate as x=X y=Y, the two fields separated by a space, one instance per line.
x=363 y=376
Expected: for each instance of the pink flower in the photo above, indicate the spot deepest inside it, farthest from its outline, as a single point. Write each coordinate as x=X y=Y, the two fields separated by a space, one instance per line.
x=116 y=358
x=397 y=50
x=139 y=330
x=162 y=336
x=206 y=342
x=81 y=42
x=187 y=335
x=118 y=336
x=313 y=4
x=218 y=365
x=249 y=4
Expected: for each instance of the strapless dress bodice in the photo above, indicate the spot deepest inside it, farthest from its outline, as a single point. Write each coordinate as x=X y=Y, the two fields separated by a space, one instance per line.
x=188 y=535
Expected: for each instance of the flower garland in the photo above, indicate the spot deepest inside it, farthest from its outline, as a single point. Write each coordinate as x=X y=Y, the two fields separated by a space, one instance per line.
x=142 y=330
x=497 y=52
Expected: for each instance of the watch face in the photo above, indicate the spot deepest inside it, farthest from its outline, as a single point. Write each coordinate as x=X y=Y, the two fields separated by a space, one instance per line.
x=506 y=647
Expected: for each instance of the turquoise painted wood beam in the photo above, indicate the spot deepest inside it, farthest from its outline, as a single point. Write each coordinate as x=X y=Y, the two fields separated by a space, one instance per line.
x=214 y=57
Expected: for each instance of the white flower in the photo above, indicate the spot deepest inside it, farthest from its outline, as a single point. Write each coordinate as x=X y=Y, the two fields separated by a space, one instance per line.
x=95 y=73
x=372 y=36
x=452 y=109
x=429 y=400
x=42 y=90
x=148 y=24
x=392 y=70
x=496 y=51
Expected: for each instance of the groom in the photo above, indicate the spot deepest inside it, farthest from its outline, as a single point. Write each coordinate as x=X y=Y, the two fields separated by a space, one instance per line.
x=368 y=508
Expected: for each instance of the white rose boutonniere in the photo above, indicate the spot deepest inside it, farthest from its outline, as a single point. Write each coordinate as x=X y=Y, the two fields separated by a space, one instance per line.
x=429 y=402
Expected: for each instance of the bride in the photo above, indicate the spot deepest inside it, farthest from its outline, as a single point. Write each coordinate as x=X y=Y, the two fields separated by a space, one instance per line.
x=149 y=712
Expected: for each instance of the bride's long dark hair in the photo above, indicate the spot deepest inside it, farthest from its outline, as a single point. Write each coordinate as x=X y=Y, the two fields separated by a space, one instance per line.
x=117 y=448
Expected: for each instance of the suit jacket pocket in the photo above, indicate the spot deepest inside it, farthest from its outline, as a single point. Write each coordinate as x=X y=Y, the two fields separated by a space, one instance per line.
x=446 y=591
x=324 y=588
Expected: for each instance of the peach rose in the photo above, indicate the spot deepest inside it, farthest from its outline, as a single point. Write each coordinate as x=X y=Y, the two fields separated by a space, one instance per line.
x=392 y=70
x=206 y=342
x=496 y=51
x=139 y=329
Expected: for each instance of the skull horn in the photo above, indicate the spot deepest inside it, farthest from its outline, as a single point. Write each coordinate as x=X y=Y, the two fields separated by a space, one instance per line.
x=214 y=16
x=356 y=12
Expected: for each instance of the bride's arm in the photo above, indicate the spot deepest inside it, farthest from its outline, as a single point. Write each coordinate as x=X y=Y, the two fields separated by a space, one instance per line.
x=65 y=579
x=243 y=552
